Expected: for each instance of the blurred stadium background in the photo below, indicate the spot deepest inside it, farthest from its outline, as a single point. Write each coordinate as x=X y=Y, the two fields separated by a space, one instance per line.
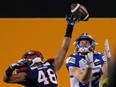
x=40 y=25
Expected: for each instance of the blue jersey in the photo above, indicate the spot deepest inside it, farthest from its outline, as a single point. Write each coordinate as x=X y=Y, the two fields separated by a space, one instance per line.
x=42 y=76
x=80 y=62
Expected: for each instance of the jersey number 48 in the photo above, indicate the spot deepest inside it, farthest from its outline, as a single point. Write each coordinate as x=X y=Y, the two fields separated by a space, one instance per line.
x=44 y=79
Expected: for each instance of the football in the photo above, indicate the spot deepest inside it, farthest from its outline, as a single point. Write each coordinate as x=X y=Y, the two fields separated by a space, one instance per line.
x=79 y=10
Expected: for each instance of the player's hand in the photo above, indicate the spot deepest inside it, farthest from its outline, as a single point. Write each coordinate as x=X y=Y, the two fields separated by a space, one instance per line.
x=19 y=64
x=72 y=20
x=89 y=59
x=107 y=49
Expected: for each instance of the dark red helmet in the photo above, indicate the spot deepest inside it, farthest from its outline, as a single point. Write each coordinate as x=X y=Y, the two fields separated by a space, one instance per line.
x=32 y=52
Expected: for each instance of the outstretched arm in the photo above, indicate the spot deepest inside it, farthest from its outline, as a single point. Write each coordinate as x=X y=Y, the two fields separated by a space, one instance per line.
x=107 y=54
x=60 y=56
x=15 y=78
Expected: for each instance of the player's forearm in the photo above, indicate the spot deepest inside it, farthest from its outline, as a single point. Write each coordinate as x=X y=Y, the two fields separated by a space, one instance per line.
x=86 y=76
x=67 y=37
x=60 y=56
x=15 y=78
x=66 y=43
x=69 y=30
x=5 y=78
x=105 y=68
x=89 y=65
x=107 y=53
x=8 y=73
x=108 y=64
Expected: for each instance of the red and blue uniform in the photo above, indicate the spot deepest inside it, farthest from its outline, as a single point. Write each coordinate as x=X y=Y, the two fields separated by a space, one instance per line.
x=40 y=76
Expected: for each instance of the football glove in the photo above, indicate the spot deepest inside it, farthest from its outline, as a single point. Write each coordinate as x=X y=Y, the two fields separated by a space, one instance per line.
x=72 y=20
x=19 y=64
x=89 y=60
x=107 y=49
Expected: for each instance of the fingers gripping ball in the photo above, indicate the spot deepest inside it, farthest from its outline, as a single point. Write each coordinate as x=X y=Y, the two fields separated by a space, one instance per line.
x=79 y=10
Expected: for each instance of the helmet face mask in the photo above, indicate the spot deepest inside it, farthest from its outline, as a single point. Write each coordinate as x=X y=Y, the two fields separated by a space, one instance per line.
x=83 y=50
x=89 y=47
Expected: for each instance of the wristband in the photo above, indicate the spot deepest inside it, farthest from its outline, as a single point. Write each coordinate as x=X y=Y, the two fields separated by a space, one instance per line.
x=9 y=71
x=69 y=30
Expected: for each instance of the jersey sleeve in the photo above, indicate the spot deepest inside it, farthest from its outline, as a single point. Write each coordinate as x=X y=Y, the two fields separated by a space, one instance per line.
x=50 y=60
x=72 y=61
x=102 y=58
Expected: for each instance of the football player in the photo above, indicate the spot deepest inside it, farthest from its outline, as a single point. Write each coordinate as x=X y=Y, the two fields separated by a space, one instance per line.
x=85 y=65
x=33 y=72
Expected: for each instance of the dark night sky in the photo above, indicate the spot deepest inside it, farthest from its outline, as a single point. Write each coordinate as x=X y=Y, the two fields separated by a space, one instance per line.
x=55 y=8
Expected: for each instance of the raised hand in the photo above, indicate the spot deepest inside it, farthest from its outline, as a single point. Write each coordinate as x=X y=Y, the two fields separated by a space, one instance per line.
x=72 y=20
x=19 y=64
x=89 y=59
x=107 y=49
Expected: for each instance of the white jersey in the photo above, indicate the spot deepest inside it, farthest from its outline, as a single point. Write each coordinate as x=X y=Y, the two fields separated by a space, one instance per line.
x=80 y=62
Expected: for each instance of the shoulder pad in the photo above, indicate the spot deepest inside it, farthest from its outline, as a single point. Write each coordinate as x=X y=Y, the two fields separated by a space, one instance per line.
x=97 y=52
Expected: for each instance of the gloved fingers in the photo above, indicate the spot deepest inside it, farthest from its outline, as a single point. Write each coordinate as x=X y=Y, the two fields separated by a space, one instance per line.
x=107 y=49
x=67 y=18
x=77 y=19
x=72 y=17
x=106 y=45
x=89 y=57
x=89 y=60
